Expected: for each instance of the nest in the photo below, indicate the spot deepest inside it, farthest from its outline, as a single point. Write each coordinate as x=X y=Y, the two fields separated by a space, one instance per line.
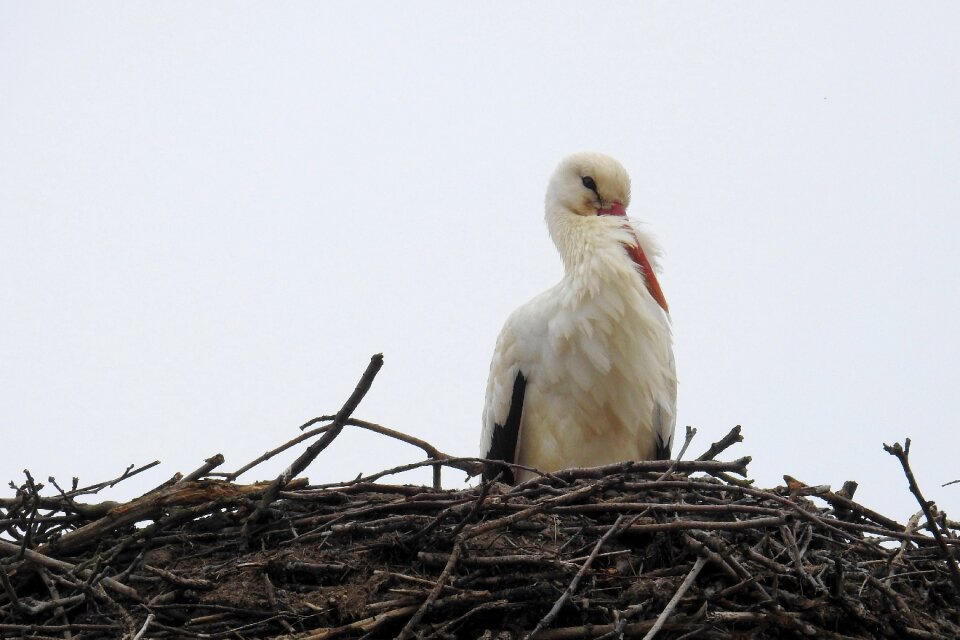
x=666 y=549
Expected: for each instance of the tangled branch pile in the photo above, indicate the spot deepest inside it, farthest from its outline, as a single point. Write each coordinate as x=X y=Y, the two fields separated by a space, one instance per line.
x=642 y=549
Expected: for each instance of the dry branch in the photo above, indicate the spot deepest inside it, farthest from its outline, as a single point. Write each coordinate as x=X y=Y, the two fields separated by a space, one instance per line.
x=902 y=453
x=314 y=449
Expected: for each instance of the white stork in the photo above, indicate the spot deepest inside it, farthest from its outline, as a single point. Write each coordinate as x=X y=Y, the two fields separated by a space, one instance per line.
x=583 y=374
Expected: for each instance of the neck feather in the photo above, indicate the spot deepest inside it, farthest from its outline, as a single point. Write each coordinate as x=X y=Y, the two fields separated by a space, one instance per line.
x=597 y=253
x=590 y=243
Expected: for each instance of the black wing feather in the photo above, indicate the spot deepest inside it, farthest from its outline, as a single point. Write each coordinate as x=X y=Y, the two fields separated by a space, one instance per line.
x=662 y=450
x=503 y=444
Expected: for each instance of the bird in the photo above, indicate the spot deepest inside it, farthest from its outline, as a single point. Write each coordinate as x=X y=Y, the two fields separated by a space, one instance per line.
x=584 y=374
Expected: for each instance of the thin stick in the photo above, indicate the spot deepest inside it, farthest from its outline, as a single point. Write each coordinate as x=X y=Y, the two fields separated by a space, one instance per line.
x=903 y=454
x=209 y=465
x=393 y=433
x=730 y=439
x=473 y=468
x=662 y=618
x=614 y=528
x=428 y=448
x=269 y=454
x=59 y=611
x=143 y=629
x=687 y=439
x=529 y=511
x=308 y=456
x=53 y=563
x=456 y=463
x=434 y=593
x=844 y=504
x=11 y=592
x=572 y=587
x=128 y=473
x=738 y=466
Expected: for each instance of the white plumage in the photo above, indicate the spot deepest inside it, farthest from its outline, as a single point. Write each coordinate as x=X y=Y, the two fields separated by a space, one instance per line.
x=583 y=374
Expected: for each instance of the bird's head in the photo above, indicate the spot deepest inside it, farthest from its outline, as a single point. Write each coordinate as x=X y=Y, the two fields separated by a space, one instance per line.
x=589 y=184
x=586 y=204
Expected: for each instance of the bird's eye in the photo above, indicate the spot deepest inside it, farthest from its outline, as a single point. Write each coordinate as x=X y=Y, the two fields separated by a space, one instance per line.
x=589 y=183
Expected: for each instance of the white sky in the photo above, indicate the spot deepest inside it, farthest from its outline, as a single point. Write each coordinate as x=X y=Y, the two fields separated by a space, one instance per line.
x=212 y=214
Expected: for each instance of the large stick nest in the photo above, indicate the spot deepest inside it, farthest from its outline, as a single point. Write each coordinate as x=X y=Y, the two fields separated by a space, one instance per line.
x=665 y=549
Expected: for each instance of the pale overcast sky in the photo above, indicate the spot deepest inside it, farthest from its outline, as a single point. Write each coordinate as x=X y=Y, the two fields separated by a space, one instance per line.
x=212 y=214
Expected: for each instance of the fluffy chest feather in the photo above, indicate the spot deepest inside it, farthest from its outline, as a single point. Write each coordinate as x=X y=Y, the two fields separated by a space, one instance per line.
x=599 y=367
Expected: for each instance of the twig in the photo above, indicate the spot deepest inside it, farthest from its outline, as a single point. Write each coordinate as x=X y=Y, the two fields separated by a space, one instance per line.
x=209 y=465
x=687 y=439
x=791 y=543
x=146 y=625
x=39 y=558
x=845 y=505
x=10 y=591
x=59 y=611
x=429 y=449
x=573 y=496
x=152 y=505
x=902 y=453
x=269 y=454
x=706 y=525
x=180 y=581
x=456 y=463
x=314 y=449
x=723 y=444
x=632 y=630
x=129 y=472
x=366 y=625
x=668 y=610
x=470 y=465
x=572 y=587
x=738 y=466
x=408 y=629
x=481 y=497
x=470 y=612
x=441 y=559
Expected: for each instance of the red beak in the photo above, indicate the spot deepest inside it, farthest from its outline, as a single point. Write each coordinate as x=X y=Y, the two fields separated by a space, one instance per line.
x=639 y=257
x=615 y=209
